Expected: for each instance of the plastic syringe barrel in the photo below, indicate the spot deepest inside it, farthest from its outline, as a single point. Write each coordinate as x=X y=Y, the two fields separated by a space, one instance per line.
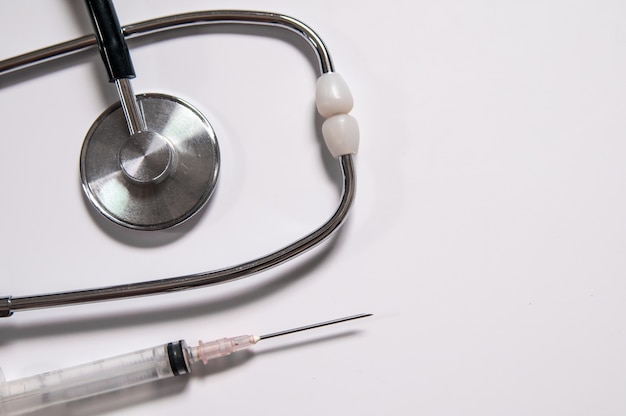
x=97 y=377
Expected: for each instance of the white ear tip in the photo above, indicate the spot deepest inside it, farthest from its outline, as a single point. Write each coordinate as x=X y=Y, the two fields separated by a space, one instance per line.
x=332 y=95
x=341 y=134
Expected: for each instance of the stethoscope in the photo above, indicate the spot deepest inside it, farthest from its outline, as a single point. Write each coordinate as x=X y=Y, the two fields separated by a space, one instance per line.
x=151 y=161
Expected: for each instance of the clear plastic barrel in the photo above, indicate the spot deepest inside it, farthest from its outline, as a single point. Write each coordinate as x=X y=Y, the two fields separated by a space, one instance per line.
x=73 y=383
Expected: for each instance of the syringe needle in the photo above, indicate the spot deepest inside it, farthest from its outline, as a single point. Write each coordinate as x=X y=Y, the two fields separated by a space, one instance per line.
x=317 y=325
x=225 y=346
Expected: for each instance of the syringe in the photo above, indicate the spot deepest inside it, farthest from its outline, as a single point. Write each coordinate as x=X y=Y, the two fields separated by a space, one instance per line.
x=102 y=376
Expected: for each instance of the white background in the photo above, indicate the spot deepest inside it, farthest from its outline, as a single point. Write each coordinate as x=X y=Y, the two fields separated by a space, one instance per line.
x=488 y=235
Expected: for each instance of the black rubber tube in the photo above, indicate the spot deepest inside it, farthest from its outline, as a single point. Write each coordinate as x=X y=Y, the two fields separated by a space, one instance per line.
x=111 y=41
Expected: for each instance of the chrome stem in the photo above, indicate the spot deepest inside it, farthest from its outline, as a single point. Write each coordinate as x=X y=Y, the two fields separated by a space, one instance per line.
x=132 y=113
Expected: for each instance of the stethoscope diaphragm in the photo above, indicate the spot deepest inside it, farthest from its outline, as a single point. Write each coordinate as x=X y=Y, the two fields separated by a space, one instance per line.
x=154 y=179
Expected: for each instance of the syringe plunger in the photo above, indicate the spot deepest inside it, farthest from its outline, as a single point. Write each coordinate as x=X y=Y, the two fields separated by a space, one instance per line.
x=94 y=378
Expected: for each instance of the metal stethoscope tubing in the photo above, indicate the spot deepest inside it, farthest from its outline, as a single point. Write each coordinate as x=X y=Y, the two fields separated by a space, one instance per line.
x=8 y=305
x=148 y=27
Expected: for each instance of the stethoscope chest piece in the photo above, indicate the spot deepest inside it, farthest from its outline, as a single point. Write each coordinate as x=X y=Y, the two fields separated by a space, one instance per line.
x=155 y=178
